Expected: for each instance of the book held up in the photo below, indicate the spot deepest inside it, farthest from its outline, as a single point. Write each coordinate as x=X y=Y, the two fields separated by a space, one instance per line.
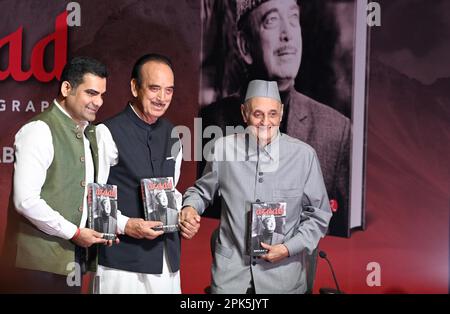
x=102 y=209
x=158 y=195
x=266 y=224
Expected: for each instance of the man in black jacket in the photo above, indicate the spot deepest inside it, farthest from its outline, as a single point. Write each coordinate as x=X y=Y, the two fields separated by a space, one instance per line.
x=137 y=143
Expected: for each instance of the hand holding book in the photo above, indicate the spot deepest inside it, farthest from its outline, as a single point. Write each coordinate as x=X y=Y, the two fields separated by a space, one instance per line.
x=87 y=237
x=139 y=228
x=275 y=253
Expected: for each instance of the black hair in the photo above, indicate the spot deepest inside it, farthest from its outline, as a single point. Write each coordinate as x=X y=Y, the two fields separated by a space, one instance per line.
x=75 y=69
x=245 y=25
x=136 y=72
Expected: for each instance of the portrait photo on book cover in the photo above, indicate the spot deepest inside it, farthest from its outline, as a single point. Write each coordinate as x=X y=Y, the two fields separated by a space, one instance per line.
x=267 y=229
x=105 y=215
x=163 y=207
x=311 y=49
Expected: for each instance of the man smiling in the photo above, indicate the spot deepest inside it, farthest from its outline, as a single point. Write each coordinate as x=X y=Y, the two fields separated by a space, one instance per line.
x=56 y=156
x=268 y=166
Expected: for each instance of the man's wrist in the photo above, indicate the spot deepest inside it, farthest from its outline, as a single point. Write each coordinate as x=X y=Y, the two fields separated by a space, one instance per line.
x=76 y=235
x=287 y=250
x=189 y=206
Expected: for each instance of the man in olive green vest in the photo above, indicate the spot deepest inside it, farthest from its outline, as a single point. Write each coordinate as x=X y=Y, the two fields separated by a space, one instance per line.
x=56 y=156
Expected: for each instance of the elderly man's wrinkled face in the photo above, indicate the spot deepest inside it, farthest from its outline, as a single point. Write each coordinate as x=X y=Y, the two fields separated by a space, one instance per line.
x=162 y=199
x=269 y=223
x=263 y=117
x=277 y=46
x=154 y=95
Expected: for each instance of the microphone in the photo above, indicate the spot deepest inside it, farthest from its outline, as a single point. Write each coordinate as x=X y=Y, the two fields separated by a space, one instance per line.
x=323 y=255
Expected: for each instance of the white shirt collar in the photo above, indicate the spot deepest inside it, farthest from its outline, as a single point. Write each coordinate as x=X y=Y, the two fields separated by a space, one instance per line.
x=83 y=124
x=132 y=108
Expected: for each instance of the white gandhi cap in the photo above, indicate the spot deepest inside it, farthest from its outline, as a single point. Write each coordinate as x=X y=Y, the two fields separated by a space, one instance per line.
x=260 y=88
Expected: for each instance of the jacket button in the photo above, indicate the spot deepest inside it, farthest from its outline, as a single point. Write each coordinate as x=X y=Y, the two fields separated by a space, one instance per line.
x=261 y=174
x=82 y=159
x=79 y=135
x=254 y=263
x=260 y=180
x=83 y=183
x=80 y=209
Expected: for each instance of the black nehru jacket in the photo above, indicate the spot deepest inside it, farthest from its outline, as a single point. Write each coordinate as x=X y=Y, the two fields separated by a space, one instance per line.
x=144 y=152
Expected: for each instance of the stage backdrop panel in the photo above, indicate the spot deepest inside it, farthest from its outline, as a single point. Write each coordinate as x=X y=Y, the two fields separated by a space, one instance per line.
x=115 y=32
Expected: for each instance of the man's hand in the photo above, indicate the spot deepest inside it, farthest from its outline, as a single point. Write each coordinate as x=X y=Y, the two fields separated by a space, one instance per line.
x=275 y=253
x=139 y=228
x=189 y=222
x=111 y=242
x=116 y=241
x=88 y=237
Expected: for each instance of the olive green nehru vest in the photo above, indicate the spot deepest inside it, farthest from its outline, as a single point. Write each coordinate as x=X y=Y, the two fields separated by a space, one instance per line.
x=63 y=190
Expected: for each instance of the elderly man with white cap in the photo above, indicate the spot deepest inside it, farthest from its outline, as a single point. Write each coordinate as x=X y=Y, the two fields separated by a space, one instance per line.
x=262 y=165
